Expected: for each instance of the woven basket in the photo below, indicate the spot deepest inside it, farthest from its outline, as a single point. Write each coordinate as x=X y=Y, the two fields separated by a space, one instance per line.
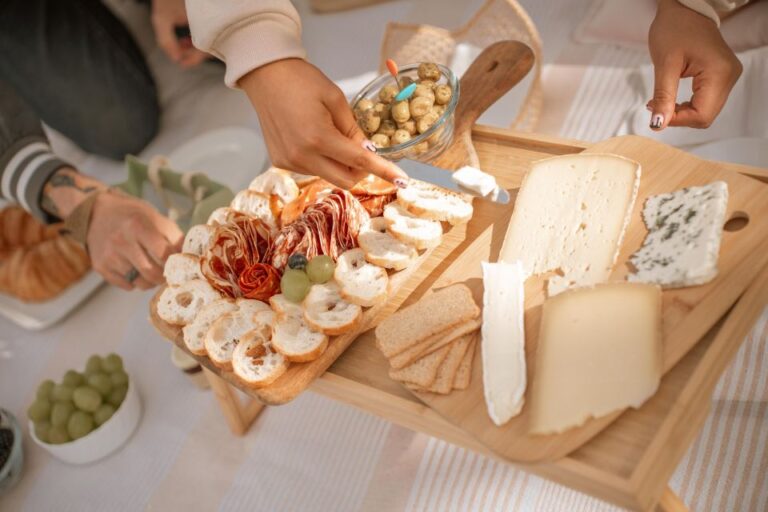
x=496 y=20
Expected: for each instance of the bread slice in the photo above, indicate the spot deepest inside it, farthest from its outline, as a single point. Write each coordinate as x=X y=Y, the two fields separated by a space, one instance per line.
x=197 y=239
x=423 y=371
x=251 y=306
x=361 y=282
x=220 y=216
x=226 y=332
x=434 y=342
x=194 y=332
x=383 y=249
x=292 y=337
x=254 y=204
x=178 y=305
x=406 y=227
x=432 y=314
x=428 y=201
x=446 y=373
x=325 y=310
x=464 y=372
x=281 y=305
x=277 y=182
x=180 y=268
x=255 y=362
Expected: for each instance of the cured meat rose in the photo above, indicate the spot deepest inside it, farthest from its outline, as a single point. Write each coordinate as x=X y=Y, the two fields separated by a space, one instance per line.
x=329 y=226
x=235 y=247
x=261 y=281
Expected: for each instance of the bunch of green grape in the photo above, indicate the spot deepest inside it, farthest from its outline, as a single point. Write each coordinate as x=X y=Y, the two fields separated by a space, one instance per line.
x=81 y=402
x=301 y=274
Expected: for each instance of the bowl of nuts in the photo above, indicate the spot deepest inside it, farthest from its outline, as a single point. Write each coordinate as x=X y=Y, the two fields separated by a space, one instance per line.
x=419 y=127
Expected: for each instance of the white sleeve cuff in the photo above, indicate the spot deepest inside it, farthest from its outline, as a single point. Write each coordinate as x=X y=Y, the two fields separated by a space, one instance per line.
x=703 y=8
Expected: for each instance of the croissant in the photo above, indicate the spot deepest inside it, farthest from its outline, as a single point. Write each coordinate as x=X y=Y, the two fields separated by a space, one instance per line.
x=37 y=262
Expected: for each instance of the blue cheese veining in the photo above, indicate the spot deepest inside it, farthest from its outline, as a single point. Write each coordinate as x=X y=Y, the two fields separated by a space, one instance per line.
x=683 y=241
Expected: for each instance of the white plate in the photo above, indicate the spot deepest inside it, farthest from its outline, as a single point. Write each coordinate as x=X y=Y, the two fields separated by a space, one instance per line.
x=36 y=316
x=232 y=156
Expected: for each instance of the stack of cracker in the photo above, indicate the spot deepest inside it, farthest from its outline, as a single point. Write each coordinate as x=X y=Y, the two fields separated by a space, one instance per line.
x=430 y=344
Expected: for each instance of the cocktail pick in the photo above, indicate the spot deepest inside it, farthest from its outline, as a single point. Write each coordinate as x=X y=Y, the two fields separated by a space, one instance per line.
x=406 y=92
x=392 y=67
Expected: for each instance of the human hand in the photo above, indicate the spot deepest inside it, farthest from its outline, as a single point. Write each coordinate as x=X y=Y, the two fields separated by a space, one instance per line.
x=127 y=233
x=684 y=43
x=167 y=15
x=309 y=127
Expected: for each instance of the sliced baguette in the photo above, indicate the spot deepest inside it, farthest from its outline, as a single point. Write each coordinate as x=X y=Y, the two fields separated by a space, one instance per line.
x=255 y=362
x=432 y=314
x=220 y=216
x=361 y=283
x=226 y=332
x=194 y=333
x=281 y=305
x=428 y=201
x=325 y=310
x=277 y=182
x=180 y=268
x=178 y=305
x=251 y=306
x=295 y=339
x=197 y=239
x=406 y=227
x=384 y=250
x=423 y=371
x=254 y=204
x=434 y=342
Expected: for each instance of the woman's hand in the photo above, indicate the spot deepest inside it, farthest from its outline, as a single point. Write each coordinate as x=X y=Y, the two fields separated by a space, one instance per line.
x=167 y=15
x=310 y=128
x=126 y=233
x=684 y=43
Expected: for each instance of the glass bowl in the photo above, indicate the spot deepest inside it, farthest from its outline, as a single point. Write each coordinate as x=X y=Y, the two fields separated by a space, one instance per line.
x=424 y=146
x=10 y=469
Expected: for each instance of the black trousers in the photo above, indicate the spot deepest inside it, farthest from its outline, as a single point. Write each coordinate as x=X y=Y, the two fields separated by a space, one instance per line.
x=78 y=68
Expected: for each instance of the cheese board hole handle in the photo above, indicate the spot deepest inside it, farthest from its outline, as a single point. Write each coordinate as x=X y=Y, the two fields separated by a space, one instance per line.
x=497 y=69
x=737 y=222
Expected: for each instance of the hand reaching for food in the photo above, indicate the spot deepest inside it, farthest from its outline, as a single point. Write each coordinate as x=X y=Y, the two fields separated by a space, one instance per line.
x=684 y=43
x=310 y=128
x=167 y=16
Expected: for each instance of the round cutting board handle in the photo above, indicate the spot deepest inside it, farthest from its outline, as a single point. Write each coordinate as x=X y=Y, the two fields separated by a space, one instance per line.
x=495 y=71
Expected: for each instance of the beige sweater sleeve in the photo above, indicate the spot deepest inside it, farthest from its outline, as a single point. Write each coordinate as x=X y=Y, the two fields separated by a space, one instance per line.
x=245 y=34
x=712 y=8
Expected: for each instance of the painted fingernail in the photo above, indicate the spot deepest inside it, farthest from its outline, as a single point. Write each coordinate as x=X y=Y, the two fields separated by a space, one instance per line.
x=401 y=183
x=649 y=108
x=367 y=144
x=656 y=121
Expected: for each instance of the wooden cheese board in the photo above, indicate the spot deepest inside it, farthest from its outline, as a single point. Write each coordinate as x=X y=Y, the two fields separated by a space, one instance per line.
x=495 y=71
x=688 y=313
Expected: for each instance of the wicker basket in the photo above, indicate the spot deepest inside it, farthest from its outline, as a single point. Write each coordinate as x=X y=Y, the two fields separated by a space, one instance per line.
x=496 y=20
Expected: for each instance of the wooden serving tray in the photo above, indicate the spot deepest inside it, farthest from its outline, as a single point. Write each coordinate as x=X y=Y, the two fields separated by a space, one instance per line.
x=688 y=313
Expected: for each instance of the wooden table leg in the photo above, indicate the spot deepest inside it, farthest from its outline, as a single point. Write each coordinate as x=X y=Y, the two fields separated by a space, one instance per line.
x=238 y=417
x=671 y=502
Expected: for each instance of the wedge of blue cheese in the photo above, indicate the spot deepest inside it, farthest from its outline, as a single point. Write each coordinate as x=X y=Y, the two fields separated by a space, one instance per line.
x=683 y=241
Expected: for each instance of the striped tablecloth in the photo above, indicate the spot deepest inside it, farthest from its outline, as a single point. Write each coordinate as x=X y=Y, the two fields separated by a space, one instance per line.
x=318 y=455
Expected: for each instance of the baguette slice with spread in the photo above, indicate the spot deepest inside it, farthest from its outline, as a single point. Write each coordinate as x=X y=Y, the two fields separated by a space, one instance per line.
x=428 y=201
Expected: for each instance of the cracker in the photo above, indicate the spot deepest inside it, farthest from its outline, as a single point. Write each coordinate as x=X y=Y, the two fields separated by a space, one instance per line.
x=464 y=372
x=423 y=371
x=434 y=342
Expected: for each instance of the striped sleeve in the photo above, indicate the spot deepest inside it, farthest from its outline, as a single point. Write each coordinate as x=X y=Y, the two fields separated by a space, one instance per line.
x=26 y=159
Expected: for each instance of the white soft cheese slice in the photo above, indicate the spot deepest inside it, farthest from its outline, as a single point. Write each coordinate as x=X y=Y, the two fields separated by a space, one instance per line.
x=570 y=215
x=503 y=340
x=684 y=232
x=599 y=351
x=475 y=180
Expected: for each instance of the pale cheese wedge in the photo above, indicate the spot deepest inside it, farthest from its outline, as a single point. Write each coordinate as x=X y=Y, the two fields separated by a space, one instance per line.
x=570 y=216
x=599 y=351
x=503 y=340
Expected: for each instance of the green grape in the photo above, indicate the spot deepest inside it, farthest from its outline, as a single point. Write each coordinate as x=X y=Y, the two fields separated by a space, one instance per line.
x=58 y=435
x=80 y=424
x=62 y=393
x=112 y=363
x=39 y=410
x=119 y=377
x=103 y=413
x=320 y=269
x=93 y=365
x=101 y=382
x=117 y=395
x=60 y=413
x=45 y=389
x=295 y=285
x=87 y=399
x=42 y=429
x=72 y=379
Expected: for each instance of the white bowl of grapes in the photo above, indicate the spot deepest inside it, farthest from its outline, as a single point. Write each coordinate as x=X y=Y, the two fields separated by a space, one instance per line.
x=87 y=415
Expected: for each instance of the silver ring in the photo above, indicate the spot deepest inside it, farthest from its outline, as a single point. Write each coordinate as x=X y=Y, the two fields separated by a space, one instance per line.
x=131 y=275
